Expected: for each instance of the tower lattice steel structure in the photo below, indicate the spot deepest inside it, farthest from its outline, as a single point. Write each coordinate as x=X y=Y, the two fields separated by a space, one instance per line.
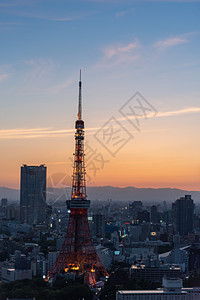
x=78 y=253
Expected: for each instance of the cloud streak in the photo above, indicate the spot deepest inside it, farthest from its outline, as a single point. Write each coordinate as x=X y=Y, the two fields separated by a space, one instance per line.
x=117 y=54
x=189 y=110
x=30 y=133
x=39 y=68
x=7 y=26
x=172 y=113
x=12 y=3
x=33 y=133
x=116 y=51
x=4 y=76
x=173 y=41
x=22 y=133
x=122 y=13
x=51 y=16
x=45 y=17
x=59 y=87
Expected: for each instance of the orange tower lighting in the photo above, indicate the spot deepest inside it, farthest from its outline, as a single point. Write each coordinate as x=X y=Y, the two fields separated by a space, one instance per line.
x=78 y=254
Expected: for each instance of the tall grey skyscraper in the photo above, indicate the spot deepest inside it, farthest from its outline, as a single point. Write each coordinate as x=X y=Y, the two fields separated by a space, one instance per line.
x=184 y=215
x=99 y=225
x=33 y=194
x=154 y=214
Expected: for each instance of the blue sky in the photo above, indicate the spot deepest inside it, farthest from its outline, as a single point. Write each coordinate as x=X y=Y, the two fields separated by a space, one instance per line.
x=121 y=46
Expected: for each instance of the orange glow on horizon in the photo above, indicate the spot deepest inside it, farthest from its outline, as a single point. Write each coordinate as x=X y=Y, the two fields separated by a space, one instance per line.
x=153 y=159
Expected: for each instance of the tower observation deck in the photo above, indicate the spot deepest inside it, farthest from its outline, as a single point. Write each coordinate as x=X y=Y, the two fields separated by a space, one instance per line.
x=78 y=254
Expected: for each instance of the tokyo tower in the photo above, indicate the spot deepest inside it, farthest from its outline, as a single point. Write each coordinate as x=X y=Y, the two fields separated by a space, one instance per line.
x=78 y=254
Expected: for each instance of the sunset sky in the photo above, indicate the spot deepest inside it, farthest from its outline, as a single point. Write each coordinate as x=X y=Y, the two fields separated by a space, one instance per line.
x=122 y=47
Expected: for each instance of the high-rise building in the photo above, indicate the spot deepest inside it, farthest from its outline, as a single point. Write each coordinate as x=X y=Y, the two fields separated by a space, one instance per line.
x=184 y=215
x=99 y=225
x=4 y=202
x=143 y=216
x=154 y=214
x=33 y=194
x=134 y=208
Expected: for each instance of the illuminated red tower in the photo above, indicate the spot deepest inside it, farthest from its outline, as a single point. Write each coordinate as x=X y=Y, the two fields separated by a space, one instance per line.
x=78 y=253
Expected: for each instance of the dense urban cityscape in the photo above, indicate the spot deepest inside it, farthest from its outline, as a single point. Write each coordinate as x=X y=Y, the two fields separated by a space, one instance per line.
x=139 y=244
x=99 y=120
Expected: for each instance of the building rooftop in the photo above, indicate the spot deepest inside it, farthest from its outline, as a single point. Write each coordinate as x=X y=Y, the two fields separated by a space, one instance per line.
x=148 y=292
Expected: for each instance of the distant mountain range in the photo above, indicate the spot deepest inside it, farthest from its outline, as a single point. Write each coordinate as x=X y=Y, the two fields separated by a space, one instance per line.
x=146 y=195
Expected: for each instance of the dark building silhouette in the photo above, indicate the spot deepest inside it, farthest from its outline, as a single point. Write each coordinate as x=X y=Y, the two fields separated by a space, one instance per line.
x=143 y=216
x=134 y=208
x=12 y=212
x=33 y=194
x=99 y=225
x=184 y=215
x=173 y=212
x=4 y=202
x=49 y=211
x=21 y=262
x=154 y=214
x=194 y=258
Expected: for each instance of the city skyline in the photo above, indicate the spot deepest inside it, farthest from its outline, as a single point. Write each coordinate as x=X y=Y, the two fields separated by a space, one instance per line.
x=122 y=47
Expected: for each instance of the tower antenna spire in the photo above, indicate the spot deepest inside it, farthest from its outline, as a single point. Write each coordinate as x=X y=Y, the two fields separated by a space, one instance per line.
x=80 y=100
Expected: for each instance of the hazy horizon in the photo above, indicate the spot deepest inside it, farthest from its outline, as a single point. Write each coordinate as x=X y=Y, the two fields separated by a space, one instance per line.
x=101 y=186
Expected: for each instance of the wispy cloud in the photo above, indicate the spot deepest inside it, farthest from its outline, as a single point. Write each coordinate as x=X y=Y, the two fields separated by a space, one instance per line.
x=46 y=17
x=22 y=133
x=188 y=110
x=59 y=87
x=61 y=19
x=178 y=112
x=5 y=72
x=117 y=54
x=119 y=50
x=173 y=41
x=6 y=26
x=38 y=68
x=39 y=76
x=12 y=3
x=32 y=133
x=4 y=76
x=122 y=13
x=8 y=23
x=35 y=13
